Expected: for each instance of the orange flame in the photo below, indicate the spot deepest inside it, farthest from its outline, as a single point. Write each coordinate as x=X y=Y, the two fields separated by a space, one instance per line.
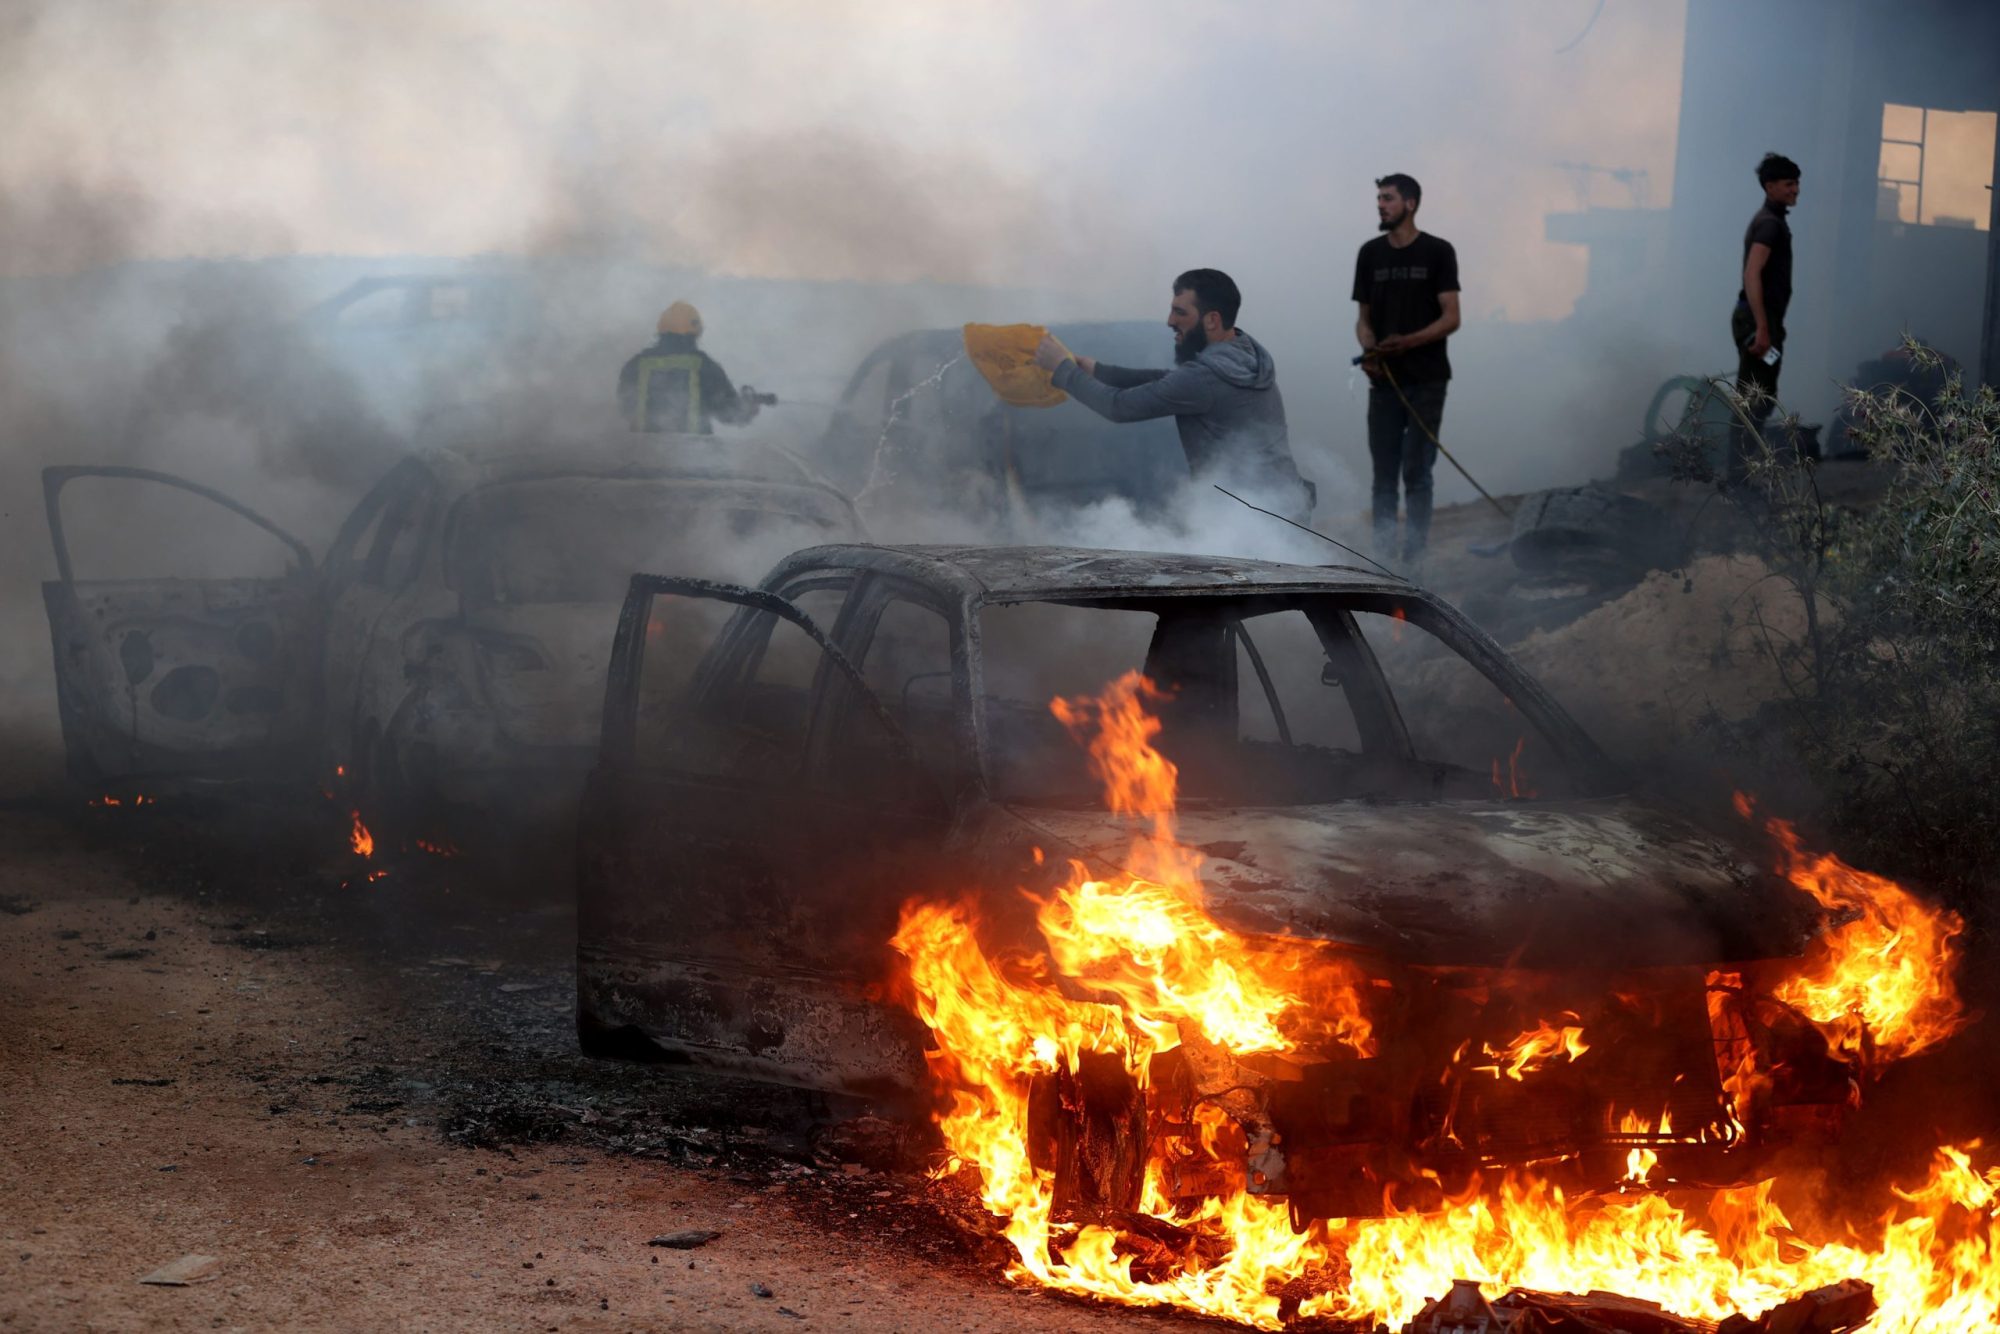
x=1129 y=968
x=359 y=839
x=1881 y=975
x=1515 y=782
x=1534 y=1049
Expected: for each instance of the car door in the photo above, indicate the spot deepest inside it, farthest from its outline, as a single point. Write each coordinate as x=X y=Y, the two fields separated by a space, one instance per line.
x=162 y=678
x=369 y=580
x=743 y=859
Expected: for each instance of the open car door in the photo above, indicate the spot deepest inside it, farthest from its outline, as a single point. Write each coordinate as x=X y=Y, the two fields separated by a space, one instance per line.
x=754 y=822
x=161 y=679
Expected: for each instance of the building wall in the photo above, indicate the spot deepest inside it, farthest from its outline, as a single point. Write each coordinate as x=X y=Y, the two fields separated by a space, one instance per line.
x=1809 y=78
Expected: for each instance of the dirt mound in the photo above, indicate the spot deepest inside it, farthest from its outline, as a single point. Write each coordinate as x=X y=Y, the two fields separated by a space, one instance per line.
x=1639 y=671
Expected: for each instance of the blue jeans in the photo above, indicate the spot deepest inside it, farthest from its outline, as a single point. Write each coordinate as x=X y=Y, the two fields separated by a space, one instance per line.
x=1403 y=452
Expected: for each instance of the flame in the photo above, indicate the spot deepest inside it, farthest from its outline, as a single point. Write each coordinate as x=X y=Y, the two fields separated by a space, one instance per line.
x=1640 y=1161
x=137 y=799
x=1515 y=782
x=438 y=847
x=1882 y=975
x=1931 y=1259
x=1120 y=969
x=1534 y=1049
x=359 y=839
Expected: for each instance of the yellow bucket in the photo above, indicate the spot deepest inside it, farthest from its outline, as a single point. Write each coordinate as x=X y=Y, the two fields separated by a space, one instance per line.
x=1005 y=355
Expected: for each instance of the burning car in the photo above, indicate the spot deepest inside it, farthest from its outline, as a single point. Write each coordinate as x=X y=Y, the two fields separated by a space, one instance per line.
x=448 y=649
x=1197 y=876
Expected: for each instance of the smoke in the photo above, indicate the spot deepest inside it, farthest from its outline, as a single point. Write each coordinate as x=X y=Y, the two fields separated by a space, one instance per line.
x=183 y=184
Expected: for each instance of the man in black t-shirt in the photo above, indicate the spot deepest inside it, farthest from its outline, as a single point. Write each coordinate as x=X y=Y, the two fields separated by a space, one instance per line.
x=1758 y=323
x=1406 y=284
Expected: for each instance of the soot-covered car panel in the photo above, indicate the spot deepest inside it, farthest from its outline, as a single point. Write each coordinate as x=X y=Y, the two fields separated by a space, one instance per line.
x=782 y=769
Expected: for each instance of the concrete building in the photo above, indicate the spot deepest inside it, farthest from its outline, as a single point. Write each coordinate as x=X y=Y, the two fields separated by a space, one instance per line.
x=1890 y=108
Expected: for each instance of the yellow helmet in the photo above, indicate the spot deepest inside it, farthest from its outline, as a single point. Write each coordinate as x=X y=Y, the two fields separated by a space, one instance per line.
x=680 y=318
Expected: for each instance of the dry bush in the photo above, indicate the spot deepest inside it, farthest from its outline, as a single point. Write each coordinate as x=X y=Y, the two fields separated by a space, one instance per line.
x=1891 y=687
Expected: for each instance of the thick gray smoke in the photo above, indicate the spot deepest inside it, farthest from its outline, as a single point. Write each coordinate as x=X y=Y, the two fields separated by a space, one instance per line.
x=182 y=185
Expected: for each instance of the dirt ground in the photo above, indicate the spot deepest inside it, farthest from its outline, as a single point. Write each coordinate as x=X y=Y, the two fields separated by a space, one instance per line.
x=365 y=1103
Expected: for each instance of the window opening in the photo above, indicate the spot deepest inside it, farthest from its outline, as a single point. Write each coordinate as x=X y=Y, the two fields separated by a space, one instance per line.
x=1936 y=167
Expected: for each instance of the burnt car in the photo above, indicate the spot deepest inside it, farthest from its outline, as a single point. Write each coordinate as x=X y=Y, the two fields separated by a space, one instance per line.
x=1359 y=766
x=448 y=649
x=420 y=341
x=917 y=421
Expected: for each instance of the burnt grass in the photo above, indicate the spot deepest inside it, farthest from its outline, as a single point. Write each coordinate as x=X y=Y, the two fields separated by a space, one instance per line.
x=463 y=972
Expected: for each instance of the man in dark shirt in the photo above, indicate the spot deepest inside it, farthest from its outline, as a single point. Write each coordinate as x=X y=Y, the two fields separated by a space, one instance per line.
x=1758 y=323
x=673 y=386
x=1406 y=285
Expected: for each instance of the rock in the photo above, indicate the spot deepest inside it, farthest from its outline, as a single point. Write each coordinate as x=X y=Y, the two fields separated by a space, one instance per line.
x=759 y=1290
x=686 y=1239
x=188 y=1269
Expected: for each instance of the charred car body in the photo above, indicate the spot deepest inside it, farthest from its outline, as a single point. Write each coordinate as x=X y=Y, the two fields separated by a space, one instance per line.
x=449 y=648
x=1359 y=766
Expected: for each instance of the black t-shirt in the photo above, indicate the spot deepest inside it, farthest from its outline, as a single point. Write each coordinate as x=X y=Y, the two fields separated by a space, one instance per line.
x=1401 y=289
x=1769 y=228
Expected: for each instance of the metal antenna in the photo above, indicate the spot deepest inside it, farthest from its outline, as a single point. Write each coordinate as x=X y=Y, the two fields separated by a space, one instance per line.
x=1314 y=531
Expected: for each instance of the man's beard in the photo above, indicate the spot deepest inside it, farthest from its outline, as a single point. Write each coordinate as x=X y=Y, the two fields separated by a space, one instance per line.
x=1189 y=345
x=1391 y=224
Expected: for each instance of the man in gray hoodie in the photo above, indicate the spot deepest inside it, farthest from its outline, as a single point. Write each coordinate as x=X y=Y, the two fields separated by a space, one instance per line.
x=1222 y=393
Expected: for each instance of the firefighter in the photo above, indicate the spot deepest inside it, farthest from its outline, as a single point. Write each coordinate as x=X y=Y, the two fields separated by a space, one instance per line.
x=673 y=386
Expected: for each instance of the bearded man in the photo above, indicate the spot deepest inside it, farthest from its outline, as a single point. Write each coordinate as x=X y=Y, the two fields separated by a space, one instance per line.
x=1222 y=394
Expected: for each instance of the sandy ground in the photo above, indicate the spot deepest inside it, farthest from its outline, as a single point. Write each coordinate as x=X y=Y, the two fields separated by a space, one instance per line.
x=169 y=1086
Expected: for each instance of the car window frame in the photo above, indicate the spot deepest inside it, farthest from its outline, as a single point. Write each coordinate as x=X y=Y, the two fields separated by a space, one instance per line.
x=859 y=617
x=414 y=507
x=342 y=565
x=619 y=727
x=1379 y=720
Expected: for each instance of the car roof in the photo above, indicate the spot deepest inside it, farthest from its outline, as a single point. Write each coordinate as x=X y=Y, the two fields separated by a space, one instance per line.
x=1123 y=338
x=1022 y=573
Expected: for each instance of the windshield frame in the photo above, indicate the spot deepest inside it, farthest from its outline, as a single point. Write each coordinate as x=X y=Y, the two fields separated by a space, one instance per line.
x=1594 y=773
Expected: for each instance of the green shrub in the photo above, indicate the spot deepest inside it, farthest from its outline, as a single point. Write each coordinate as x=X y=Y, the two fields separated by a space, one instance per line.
x=1892 y=692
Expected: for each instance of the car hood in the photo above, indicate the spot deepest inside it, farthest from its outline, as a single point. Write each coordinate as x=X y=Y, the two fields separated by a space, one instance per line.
x=1610 y=883
x=563 y=704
